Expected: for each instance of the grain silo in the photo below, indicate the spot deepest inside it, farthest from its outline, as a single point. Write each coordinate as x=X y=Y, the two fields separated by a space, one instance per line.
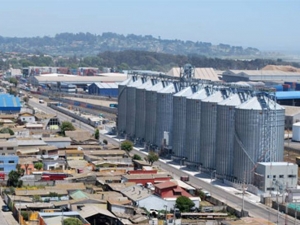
x=151 y=106
x=209 y=129
x=179 y=120
x=130 y=108
x=225 y=134
x=140 y=114
x=122 y=90
x=259 y=135
x=164 y=113
x=193 y=124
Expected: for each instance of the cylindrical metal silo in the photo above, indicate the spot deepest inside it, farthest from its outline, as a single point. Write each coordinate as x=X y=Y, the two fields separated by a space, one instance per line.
x=225 y=134
x=130 y=108
x=151 y=106
x=179 y=121
x=122 y=90
x=209 y=130
x=140 y=114
x=193 y=124
x=259 y=130
x=164 y=113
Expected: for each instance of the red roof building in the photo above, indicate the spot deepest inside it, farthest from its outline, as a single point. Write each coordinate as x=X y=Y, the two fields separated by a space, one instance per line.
x=170 y=189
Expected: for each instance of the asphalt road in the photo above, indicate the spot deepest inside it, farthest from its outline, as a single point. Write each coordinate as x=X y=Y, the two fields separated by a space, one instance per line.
x=254 y=209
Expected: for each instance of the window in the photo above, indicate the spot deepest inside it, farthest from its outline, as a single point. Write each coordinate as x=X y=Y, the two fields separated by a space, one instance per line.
x=274 y=176
x=10 y=148
x=270 y=189
x=1 y=169
x=1 y=162
x=1 y=148
x=11 y=161
x=268 y=176
x=281 y=176
x=291 y=176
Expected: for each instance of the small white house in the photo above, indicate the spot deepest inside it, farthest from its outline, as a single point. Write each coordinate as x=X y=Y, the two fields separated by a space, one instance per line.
x=27 y=117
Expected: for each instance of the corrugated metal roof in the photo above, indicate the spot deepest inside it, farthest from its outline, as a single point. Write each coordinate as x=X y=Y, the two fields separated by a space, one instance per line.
x=169 y=89
x=185 y=92
x=215 y=97
x=199 y=95
x=233 y=100
x=255 y=104
x=262 y=72
x=7 y=100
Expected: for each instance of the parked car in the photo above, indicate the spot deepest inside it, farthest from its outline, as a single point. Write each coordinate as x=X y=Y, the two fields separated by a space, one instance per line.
x=5 y=208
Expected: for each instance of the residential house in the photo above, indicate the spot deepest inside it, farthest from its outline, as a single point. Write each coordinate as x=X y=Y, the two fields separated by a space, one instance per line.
x=51 y=122
x=49 y=150
x=74 y=155
x=8 y=147
x=170 y=191
x=59 y=142
x=57 y=218
x=20 y=132
x=142 y=197
x=145 y=178
x=8 y=163
x=27 y=117
x=27 y=163
x=54 y=163
x=34 y=126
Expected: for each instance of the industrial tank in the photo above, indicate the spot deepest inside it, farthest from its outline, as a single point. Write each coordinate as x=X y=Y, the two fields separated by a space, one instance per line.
x=151 y=106
x=193 y=123
x=209 y=129
x=164 y=113
x=130 y=108
x=140 y=114
x=259 y=135
x=122 y=90
x=296 y=131
x=225 y=134
x=179 y=120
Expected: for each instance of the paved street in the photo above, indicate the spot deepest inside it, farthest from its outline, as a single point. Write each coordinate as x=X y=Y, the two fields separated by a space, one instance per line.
x=6 y=218
x=254 y=209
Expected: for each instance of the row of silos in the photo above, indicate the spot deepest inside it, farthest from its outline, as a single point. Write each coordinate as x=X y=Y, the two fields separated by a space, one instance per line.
x=217 y=129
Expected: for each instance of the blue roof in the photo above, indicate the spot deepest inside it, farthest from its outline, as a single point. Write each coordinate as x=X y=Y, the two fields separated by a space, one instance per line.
x=7 y=101
x=286 y=95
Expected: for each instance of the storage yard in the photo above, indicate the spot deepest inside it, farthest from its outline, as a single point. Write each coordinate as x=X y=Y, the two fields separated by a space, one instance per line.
x=219 y=128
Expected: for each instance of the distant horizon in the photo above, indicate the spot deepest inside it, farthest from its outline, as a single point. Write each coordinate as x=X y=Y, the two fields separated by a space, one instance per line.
x=267 y=25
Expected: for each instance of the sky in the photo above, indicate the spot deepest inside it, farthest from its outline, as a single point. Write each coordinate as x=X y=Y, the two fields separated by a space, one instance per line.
x=269 y=25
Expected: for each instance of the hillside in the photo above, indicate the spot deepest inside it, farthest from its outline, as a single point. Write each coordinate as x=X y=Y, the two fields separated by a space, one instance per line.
x=83 y=44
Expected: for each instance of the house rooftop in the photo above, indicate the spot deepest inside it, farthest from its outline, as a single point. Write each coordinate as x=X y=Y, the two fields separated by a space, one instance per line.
x=136 y=192
x=166 y=184
x=57 y=139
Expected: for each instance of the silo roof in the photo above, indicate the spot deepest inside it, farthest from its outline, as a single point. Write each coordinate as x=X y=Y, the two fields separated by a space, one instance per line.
x=255 y=104
x=156 y=87
x=201 y=94
x=146 y=85
x=215 y=97
x=233 y=100
x=137 y=83
x=126 y=82
x=185 y=92
x=168 y=89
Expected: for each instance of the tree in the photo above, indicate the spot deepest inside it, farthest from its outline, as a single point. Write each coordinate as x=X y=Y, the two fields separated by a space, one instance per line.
x=66 y=126
x=105 y=141
x=38 y=165
x=25 y=99
x=127 y=146
x=14 y=176
x=6 y=130
x=72 y=221
x=137 y=157
x=14 y=81
x=184 y=204
x=152 y=157
x=97 y=134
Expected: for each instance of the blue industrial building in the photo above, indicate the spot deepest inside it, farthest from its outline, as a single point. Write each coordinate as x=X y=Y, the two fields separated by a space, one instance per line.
x=8 y=163
x=9 y=104
x=103 y=89
x=288 y=98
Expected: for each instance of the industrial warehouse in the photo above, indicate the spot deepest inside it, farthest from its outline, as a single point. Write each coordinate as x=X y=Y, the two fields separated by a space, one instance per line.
x=226 y=129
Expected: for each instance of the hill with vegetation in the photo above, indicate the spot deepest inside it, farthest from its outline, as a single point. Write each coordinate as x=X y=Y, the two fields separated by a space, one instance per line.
x=83 y=44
